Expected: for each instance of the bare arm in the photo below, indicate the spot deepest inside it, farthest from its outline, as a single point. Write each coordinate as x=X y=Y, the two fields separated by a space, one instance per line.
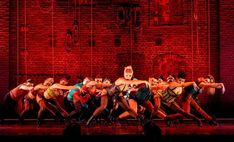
x=212 y=85
x=59 y=86
x=135 y=82
x=106 y=85
x=223 y=88
x=186 y=84
x=25 y=87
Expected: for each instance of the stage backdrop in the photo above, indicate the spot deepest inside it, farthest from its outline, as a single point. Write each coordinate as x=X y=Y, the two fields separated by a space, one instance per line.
x=40 y=39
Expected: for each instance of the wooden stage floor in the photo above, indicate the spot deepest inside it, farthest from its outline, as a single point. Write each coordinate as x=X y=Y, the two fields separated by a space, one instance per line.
x=126 y=129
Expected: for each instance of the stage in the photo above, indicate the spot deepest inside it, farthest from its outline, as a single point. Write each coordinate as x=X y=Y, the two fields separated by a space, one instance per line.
x=130 y=129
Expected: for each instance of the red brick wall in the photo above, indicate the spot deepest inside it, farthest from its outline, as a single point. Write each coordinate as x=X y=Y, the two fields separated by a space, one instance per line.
x=227 y=48
x=4 y=44
x=106 y=58
x=37 y=59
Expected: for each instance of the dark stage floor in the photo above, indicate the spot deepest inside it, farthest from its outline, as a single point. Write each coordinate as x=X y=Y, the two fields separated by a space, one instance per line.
x=126 y=129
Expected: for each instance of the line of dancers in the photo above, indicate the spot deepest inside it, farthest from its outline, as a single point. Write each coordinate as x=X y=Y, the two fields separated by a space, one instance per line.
x=127 y=97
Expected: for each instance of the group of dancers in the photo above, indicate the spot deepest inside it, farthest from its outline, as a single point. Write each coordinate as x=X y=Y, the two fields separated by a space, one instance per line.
x=127 y=97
